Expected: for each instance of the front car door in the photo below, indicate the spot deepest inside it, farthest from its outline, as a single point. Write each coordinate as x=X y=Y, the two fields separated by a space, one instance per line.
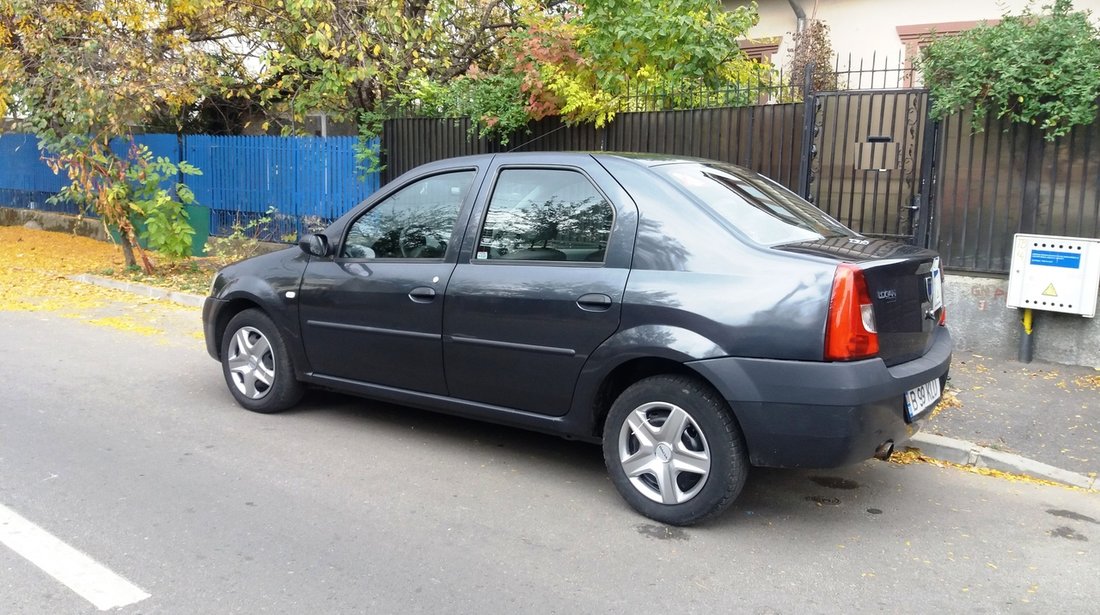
x=539 y=283
x=373 y=313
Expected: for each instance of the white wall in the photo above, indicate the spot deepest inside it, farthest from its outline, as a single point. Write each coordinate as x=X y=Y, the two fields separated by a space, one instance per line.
x=865 y=27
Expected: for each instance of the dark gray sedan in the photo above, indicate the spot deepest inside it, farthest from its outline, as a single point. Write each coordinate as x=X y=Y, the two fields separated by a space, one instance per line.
x=694 y=317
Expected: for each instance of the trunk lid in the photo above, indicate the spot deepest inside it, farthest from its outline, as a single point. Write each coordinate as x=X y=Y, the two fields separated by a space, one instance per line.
x=905 y=283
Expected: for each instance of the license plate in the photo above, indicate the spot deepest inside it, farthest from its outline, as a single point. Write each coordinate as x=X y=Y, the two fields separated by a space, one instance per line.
x=920 y=399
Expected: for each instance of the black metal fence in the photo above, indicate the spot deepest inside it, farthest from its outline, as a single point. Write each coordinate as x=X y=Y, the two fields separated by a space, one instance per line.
x=766 y=138
x=867 y=152
x=867 y=171
x=750 y=118
x=1006 y=179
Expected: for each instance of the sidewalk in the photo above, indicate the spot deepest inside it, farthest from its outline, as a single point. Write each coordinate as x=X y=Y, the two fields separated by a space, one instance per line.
x=1045 y=412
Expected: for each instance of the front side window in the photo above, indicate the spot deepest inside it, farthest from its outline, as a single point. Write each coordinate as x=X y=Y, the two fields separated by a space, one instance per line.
x=545 y=215
x=415 y=222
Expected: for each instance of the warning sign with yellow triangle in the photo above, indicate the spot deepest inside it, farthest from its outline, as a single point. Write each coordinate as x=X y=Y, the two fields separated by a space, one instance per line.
x=1050 y=292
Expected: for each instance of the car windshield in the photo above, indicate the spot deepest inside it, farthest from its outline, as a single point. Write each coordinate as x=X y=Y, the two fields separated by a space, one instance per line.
x=763 y=210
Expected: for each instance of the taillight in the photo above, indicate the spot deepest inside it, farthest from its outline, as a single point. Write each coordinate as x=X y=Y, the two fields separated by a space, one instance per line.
x=943 y=316
x=850 y=331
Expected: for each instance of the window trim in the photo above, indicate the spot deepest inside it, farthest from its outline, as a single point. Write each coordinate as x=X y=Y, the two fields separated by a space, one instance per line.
x=761 y=48
x=470 y=190
x=915 y=37
x=473 y=260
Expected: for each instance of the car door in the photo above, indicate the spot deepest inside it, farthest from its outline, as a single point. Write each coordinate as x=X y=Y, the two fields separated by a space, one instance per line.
x=539 y=283
x=373 y=312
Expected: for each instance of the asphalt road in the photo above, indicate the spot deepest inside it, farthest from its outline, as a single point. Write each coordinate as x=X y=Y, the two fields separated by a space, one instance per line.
x=129 y=449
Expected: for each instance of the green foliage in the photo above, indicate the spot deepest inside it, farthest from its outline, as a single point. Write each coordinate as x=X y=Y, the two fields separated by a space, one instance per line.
x=78 y=74
x=587 y=61
x=589 y=66
x=662 y=42
x=128 y=192
x=493 y=101
x=353 y=56
x=1041 y=69
x=245 y=241
x=166 y=227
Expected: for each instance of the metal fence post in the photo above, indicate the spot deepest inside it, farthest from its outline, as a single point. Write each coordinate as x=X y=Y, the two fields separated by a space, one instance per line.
x=806 y=158
x=929 y=167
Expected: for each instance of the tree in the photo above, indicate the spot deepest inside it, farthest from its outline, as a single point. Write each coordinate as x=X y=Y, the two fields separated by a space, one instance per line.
x=1040 y=69
x=586 y=65
x=80 y=73
x=502 y=62
x=349 y=56
x=813 y=50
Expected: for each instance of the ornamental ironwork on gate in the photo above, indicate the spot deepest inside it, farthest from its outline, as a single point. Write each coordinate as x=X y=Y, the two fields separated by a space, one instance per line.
x=871 y=164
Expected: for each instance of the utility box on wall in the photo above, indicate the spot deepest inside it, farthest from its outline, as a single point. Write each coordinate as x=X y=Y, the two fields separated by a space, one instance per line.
x=1057 y=274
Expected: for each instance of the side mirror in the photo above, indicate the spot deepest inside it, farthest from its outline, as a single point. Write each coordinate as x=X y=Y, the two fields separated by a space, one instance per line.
x=314 y=245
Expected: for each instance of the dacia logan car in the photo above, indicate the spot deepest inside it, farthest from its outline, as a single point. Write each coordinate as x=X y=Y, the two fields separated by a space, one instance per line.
x=693 y=317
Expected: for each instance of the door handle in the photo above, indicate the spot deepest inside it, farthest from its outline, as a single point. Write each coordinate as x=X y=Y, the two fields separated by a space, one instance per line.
x=594 y=302
x=422 y=294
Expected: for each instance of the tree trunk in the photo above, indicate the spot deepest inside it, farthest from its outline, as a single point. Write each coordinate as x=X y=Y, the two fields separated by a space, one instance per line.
x=131 y=249
x=127 y=249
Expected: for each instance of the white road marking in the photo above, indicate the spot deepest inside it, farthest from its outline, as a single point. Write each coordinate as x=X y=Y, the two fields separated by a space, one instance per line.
x=80 y=573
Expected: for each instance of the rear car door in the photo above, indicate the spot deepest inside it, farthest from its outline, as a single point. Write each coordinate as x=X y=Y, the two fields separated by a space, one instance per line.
x=373 y=313
x=539 y=283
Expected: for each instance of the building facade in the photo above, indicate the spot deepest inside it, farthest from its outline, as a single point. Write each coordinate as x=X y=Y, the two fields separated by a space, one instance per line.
x=883 y=30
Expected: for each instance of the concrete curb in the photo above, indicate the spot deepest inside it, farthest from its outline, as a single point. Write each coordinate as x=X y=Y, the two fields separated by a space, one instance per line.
x=186 y=299
x=967 y=453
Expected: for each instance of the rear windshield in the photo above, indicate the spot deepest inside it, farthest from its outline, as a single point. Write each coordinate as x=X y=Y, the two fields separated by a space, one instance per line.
x=763 y=210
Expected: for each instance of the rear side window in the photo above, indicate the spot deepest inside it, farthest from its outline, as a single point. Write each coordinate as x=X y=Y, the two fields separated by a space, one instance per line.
x=545 y=215
x=763 y=210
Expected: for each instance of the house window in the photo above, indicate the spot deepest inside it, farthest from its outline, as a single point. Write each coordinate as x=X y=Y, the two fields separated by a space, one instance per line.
x=915 y=37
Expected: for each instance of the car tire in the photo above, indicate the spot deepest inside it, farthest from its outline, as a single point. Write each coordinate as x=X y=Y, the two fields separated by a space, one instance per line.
x=256 y=364
x=674 y=450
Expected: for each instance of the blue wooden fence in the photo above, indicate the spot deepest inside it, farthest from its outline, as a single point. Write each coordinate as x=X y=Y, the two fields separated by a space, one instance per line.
x=26 y=181
x=309 y=181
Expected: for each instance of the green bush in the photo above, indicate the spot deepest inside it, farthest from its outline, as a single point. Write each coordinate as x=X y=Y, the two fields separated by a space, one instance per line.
x=1037 y=68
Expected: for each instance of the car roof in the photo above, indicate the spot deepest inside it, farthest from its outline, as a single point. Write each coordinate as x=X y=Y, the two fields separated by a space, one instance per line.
x=648 y=160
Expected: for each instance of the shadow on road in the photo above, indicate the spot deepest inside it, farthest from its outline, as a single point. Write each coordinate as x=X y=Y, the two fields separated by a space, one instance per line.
x=868 y=491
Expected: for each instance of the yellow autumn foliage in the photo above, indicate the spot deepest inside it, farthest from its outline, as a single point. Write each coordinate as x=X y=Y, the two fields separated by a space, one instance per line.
x=34 y=270
x=914 y=455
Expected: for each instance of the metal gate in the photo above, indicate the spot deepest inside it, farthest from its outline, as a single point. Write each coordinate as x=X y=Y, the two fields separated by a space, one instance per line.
x=872 y=162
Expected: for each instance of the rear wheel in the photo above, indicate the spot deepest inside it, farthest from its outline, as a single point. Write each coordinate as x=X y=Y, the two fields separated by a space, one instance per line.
x=256 y=364
x=674 y=450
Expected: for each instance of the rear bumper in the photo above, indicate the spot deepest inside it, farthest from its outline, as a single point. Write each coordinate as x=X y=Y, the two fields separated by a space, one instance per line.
x=804 y=414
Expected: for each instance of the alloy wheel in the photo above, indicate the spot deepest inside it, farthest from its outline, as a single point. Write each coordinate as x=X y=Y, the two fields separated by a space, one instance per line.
x=251 y=363
x=664 y=453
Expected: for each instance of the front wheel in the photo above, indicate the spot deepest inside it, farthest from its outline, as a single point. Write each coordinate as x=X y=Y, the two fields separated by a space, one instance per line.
x=256 y=364
x=674 y=450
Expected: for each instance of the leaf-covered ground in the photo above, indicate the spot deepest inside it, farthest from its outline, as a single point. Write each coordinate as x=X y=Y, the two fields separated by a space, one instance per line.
x=34 y=266
x=186 y=276
x=1042 y=411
